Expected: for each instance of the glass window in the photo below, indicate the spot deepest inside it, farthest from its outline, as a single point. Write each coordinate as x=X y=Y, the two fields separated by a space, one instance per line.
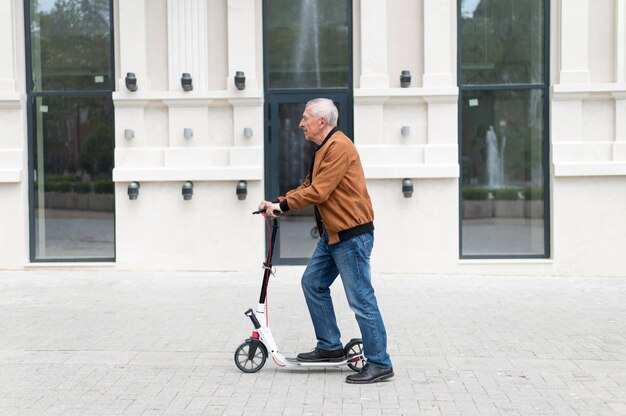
x=73 y=160
x=503 y=133
x=307 y=44
x=502 y=41
x=502 y=155
x=70 y=45
x=71 y=130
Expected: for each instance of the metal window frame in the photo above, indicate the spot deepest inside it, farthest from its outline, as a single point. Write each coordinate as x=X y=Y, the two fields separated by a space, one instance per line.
x=545 y=88
x=30 y=99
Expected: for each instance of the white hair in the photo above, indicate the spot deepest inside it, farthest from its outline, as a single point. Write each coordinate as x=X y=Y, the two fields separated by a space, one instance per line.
x=323 y=107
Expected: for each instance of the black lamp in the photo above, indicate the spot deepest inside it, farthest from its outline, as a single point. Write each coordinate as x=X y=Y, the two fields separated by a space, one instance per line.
x=187 y=190
x=405 y=79
x=242 y=190
x=131 y=81
x=186 y=82
x=133 y=190
x=407 y=188
x=240 y=80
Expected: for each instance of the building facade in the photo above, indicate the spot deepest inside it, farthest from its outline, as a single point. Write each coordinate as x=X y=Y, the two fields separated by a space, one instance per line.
x=141 y=134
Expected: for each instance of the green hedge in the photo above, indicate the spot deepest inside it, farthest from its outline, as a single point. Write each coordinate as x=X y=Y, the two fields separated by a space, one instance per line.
x=475 y=193
x=480 y=193
x=534 y=193
x=60 y=178
x=81 y=188
x=103 y=187
x=507 y=194
x=61 y=187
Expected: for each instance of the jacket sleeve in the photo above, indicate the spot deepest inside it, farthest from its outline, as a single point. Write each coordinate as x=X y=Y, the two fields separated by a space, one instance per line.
x=282 y=199
x=333 y=167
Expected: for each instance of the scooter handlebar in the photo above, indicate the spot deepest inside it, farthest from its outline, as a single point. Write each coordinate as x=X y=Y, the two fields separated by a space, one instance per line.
x=276 y=212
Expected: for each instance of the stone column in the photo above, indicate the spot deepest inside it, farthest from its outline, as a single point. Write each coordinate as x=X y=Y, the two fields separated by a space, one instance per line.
x=620 y=41
x=574 y=42
x=187 y=42
x=374 y=73
x=619 y=147
x=242 y=43
x=7 y=46
x=438 y=44
x=132 y=27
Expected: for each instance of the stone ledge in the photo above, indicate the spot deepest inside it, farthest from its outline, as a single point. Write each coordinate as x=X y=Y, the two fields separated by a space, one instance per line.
x=10 y=100
x=590 y=169
x=411 y=171
x=188 y=99
x=10 y=175
x=427 y=94
x=253 y=173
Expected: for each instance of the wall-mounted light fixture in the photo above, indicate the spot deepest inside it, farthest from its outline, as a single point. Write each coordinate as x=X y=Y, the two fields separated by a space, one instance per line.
x=129 y=134
x=188 y=133
x=187 y=190
x=405 y=79
x=133 y=190
x=407 y=188
x=240 y=80
x=405 y=130
x=131 y=81
x=247 y=132
x=242 y=190
x=186 y=82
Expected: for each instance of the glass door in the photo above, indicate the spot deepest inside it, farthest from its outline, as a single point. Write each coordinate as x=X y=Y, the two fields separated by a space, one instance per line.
x=307 y=55
x=288 y=161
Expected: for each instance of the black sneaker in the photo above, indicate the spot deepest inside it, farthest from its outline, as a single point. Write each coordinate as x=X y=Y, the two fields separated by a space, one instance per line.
x=370 y=374
x=318 y=355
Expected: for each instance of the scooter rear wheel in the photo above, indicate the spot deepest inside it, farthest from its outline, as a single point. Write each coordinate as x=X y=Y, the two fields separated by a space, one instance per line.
x=250 y=356
x=354 y=348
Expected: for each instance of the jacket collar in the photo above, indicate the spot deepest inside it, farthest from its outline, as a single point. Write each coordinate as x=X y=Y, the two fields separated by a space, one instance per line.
x=328 y=136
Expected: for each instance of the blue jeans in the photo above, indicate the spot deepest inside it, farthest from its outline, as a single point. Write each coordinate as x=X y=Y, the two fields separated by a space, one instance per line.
x=351 y=260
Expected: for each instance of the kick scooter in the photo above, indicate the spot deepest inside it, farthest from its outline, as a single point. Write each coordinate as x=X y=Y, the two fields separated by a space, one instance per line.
x=251 y=355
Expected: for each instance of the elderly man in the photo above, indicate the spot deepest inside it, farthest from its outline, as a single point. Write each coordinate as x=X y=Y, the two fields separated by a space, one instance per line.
x=336 y=188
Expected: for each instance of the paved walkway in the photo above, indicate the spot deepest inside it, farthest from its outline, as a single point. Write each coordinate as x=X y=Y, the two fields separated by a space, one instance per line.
x=122 y=343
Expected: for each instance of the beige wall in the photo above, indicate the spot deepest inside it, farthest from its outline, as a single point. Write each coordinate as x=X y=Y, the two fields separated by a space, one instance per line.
x=602 y=40
x=406 y=40
x=416 y=235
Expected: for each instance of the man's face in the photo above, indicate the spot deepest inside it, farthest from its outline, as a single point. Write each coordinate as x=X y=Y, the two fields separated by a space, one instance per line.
x=311 y=126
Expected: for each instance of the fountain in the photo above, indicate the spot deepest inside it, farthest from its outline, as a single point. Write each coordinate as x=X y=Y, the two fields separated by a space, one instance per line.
x=495 y=162
x=309 y=29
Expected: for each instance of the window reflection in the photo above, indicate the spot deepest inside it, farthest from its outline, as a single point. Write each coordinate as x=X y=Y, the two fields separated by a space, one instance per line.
x=307 y=44
x=74 y=193
x=298 y=235
x=502 y=41
x=70 y=45
x=503 y=128
x=502 y=172
x=468 y=7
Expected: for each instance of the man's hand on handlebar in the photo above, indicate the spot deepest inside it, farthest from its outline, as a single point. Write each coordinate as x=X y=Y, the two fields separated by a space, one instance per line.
x=270 y=209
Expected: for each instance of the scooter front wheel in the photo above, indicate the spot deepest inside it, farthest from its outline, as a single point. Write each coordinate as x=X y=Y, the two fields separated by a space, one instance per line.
x=250 y=356
x=354 y=351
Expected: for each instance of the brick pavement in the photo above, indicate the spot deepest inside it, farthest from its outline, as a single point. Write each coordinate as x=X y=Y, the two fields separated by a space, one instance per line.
x=122 y=343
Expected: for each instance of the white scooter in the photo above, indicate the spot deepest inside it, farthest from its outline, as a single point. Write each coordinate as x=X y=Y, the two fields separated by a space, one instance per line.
x=250 y=356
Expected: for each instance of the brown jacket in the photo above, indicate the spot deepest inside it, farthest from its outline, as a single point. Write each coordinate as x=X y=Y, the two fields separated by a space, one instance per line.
x=338 y=189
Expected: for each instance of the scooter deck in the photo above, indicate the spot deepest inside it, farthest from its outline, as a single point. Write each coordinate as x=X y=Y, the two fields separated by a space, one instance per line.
x=344 y=361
